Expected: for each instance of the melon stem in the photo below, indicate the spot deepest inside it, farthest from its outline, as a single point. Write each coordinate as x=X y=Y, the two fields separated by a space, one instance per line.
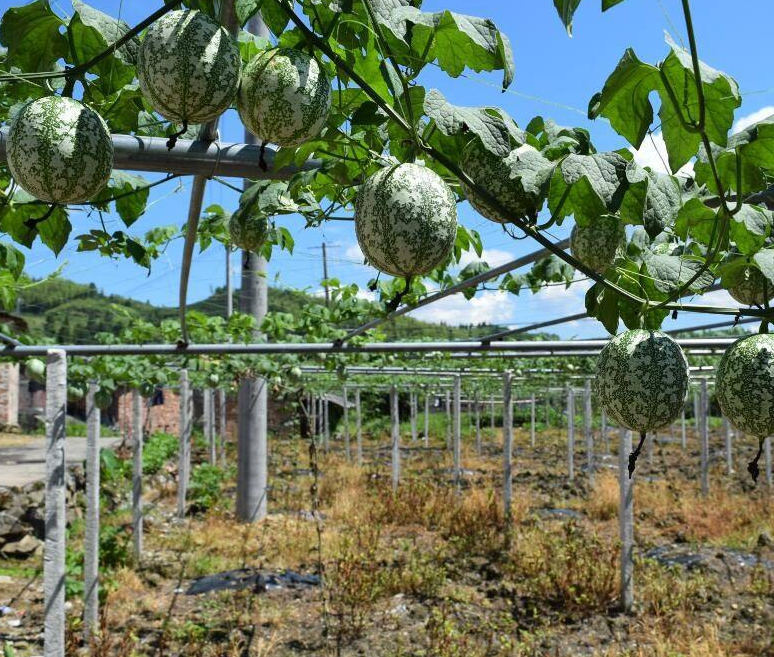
x=633 y=456
x=752 y=467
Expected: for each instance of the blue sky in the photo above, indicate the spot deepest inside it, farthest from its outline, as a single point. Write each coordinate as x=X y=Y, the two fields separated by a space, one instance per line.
x=555 y=77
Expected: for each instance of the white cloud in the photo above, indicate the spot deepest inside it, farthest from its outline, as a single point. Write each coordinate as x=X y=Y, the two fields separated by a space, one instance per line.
x=493 y=257
x=746 y=121
x=353 y=252
x=653 y=153
x=493 y=307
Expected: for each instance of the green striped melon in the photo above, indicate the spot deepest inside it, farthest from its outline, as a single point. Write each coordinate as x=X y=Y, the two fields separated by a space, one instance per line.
x=405 y=220
x=188 y=67
x=744 y=384
x=284 y=97
x=752 y=289
x=59 y=150
x=598 y=244
x=248 y=230
x=493 y=173
x=642 y=379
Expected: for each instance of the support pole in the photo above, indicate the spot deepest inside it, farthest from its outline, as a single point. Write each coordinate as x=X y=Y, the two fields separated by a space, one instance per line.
x=605 y=435
x=478 y=424
x=492 y=414
x=767 y=461
x=313 y=413
x=427 y=418
x=326 y=424
x=683 y=441
x=457 y=431
x=395 y=422
x=91 y=536
x=729 y=447
x=570 y=434
x=532 y=422
x=345 y=420
x=507 y=452
x=55 y=511
x=358 y=428
x=548 y=409
x=184 y=444
x=252 y=445
x=209 y=423
x=137 y=444
x=413 y=410
x=704 y=438
x=222 y=417
x=588 y=433
x=448 y=422
x=626 y=520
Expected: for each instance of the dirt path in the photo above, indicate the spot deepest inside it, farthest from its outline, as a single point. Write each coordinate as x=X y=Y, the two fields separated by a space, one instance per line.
x=23 y=458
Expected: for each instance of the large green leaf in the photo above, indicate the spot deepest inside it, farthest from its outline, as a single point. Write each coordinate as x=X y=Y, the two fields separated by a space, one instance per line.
x=652 y=199
x=624 y=98
x=750 y=227
x=32 y=34
x=495 y=129
x=566 y=10
x=667 y=273
x=11 y=259
x=587 y=186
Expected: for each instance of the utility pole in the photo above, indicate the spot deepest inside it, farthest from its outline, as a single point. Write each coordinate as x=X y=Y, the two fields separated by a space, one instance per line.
x=325 y=248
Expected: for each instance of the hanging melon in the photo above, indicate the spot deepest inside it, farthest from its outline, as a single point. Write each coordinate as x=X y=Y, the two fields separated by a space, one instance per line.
x=744 y=386
x=248 y=231
x=598 y=244
x=642 y=382
x=494 y=174
x=284 y=97
x=188 y=67
x=405 y=220
x=59 y=150
x=752 y=289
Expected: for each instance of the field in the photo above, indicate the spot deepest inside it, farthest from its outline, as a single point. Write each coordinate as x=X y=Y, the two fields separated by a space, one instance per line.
x=426 y=570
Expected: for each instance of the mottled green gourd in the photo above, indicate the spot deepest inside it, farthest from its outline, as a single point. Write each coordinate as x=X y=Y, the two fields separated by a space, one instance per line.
x=248 y=231
x=188 y=67
x=752 y=289
x=405 y=220
x=35 y=370
x=642 y=380
x=744 y=385
x=493 y=173
x=284 y=97
x=599 y=243
x=59 y=150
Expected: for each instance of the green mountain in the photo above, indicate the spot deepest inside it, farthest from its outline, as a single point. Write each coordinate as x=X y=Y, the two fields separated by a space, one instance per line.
x=72 y=313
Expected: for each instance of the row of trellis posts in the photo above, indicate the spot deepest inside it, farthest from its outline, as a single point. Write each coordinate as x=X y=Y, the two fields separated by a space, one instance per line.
x=55 y=513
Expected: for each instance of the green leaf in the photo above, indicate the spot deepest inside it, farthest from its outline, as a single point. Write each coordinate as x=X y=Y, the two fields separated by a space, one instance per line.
x=722 y=97
x=765 y=261
x=666 y=273
x=624 y=98
x=11 y=259
x=133 y=192
x=274 y=16
x=750 y=227
x=566 y=10
x=695 y=219
x=489 y=124
x=33 y=37
x=246 y=9
x=55 y=230
x=652 y=199
x=587 y=186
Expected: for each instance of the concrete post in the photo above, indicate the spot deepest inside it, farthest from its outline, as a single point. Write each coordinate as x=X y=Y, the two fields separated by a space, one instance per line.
x=605 y=436
x=345 y=420
x=626 y=520
x=222 y=417
x=209 y=424
x=507 y=451
x=492 y=413
x=683 y=442
x=532 y=422
x=413 y=415
x=478 y=424
x=570 y=434
x=587 y=430
x=704 y=438
x=448 y=422
x=326 y=424
x=457 y=431
x=427 y=419
x=137 y=444
x=395 y=423
x=358 y=428
x=91 y=537
x=729 y=446
x=55 y=512
x=184 y=444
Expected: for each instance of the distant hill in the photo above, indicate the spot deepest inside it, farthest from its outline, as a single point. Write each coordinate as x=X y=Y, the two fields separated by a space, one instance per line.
x=72 y=313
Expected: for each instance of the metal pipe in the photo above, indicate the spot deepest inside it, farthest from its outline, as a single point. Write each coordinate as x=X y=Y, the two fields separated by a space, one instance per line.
x=704 y=438
x=192 y=157
x=395 y=418
x=546 y=348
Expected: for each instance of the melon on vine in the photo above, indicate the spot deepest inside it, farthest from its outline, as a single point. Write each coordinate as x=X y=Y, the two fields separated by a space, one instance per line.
x=493 y=173
x=284 y=97
x=405 y=220
x=744 y=384
x=188 y=67
x=248 y=230
x=753 y=289
x=642 y=380
x=599 y=243
x=35 y=369
x=59 y=150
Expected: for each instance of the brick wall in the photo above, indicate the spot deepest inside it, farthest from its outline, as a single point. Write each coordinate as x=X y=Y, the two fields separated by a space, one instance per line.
x=161 y=417
x=9 y=394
